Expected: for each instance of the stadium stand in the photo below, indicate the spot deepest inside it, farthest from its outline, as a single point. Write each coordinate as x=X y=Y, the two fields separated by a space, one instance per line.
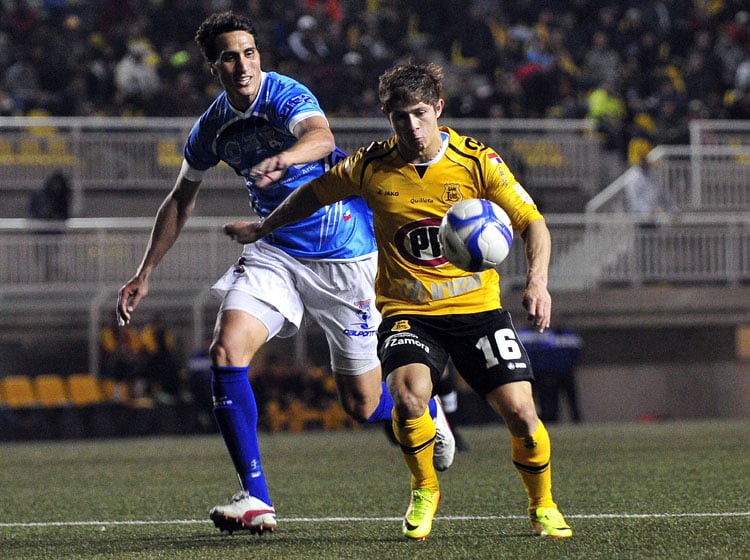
x=24 y=412
x=50 y=390
x=530 y=60
x=673 y=78
x=101 y=417
x=84 y=389
x=17 y=392
x=64 y=419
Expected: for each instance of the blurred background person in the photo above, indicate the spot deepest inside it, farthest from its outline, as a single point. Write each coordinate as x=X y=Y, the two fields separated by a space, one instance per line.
x=52 y=204
x=554 y=355
x=645 y=195
x=52 y=201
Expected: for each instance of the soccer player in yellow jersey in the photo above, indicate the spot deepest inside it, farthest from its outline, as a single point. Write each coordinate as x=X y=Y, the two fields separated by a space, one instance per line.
x=431 y=309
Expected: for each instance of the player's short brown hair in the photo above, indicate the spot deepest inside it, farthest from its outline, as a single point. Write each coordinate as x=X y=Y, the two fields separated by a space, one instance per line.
x=405 y=84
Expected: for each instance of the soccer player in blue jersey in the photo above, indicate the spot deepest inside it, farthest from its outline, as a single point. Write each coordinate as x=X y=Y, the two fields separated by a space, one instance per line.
x=271 y=130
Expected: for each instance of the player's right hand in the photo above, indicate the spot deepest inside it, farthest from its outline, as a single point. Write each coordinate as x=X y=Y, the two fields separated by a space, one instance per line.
x=128 y=298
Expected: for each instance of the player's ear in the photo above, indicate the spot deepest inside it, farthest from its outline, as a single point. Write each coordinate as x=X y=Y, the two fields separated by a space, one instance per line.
x=439 y=107
x=212 y=68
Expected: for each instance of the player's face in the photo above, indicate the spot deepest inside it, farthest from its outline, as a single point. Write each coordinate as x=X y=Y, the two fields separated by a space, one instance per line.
x=238 y=67
x=416 y=129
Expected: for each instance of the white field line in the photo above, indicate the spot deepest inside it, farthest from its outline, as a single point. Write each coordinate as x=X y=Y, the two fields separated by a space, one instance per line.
x=367 y=519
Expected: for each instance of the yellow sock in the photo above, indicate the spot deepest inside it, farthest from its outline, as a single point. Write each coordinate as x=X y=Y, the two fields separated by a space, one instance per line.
x=531 y=456
x=417 y=439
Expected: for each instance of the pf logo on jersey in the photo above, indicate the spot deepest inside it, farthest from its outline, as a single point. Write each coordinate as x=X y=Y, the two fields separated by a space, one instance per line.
x=418 y=243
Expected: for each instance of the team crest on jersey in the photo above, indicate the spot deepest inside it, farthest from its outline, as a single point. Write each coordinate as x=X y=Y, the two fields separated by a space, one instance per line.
x=452 y=193
x=401 y=325
x=268 y=136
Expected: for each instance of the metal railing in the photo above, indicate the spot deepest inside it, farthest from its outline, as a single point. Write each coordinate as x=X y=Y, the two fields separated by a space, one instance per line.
x=116 y=154
x=587 y=250
x=711 y=174
x=87 y=259
x=74 y=269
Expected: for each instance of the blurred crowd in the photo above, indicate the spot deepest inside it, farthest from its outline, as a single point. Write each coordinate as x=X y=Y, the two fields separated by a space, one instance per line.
x=641 y=69
x=143 y=365
x=147 y=367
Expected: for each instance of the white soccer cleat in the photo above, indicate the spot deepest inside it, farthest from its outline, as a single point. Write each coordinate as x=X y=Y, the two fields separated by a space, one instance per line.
x=244 y=512
x=445 y=442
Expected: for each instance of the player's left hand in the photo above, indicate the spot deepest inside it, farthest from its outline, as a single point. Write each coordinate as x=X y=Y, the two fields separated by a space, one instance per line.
x=268 y=171
x=538 y=303
x=243 y=232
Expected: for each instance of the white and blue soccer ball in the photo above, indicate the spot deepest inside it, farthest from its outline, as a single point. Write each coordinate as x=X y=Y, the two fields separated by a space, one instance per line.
x=476 y=234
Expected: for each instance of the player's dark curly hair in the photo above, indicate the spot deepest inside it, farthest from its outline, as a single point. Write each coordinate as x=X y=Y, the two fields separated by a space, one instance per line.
x=217 y=24
x=405 y=84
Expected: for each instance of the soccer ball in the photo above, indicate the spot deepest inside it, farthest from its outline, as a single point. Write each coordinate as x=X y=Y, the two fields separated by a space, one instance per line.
x=476 y=234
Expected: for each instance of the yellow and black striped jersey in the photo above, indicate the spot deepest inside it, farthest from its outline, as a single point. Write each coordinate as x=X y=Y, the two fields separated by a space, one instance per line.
x=408 y=203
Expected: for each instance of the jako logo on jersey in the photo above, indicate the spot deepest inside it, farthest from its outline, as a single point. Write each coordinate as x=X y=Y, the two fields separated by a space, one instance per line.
x=381 y=192
x=452 y=193
x=418 y=243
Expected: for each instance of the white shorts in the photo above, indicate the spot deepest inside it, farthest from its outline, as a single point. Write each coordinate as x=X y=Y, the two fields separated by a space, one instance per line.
x=339 y=296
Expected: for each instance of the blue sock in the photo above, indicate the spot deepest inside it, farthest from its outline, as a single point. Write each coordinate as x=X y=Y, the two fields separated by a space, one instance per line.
x=236 y=414
x=385 y=407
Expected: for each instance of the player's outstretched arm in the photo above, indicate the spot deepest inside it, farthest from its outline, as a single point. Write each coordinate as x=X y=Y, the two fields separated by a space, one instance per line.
x=299 y=205
x=171 y=217
x=314 y=141
x=536 y=297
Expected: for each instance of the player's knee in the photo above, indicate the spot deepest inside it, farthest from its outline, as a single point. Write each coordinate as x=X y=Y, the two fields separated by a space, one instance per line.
x=222 y=355
x=359 y=388
x=218 y=353
x=522 y=419
x=359 y=411
x=520 y=416
x=359 y=405
x=411 y=394
x=409 y=404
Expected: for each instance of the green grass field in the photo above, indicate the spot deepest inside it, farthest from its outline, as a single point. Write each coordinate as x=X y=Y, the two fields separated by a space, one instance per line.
x=675 y=490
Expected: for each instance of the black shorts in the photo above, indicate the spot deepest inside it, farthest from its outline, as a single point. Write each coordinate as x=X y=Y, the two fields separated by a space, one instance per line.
x=484 y=347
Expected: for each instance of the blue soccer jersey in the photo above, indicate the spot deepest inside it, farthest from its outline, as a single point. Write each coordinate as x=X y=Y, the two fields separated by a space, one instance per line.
x=340 y=231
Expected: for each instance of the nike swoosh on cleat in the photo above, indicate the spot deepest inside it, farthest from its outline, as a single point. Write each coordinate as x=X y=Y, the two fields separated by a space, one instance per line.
x=409 y=526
